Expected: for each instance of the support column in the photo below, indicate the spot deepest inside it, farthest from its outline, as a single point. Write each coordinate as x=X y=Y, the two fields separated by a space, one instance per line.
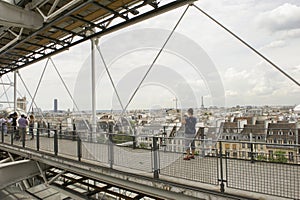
x=15 y=91
x=94 y=42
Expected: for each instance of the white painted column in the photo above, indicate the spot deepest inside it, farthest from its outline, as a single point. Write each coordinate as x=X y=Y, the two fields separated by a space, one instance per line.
x=94 y=122
x=15 y=91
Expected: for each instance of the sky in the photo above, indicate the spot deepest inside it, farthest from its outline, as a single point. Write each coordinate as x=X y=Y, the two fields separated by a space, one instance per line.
x=200 y=59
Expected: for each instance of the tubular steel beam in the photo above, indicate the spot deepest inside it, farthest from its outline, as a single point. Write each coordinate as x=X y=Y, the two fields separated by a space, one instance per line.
x=13 y=172
x=11 y=15
x=48 y=25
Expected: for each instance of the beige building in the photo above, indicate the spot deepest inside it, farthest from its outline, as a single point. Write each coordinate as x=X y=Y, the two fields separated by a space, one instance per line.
x=21 y=103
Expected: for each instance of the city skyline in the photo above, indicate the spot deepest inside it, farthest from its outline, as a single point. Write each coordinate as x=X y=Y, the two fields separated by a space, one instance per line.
x=272 y=28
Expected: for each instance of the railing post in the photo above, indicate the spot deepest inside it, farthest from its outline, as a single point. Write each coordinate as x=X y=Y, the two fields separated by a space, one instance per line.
x=60 y=131
x=134 y=142
x=2 y=133
x=252 y=153
x=222 y=188
x=48 y=130
x=12 y=136
x=74 y=132
x=38 y=136
x=79 y=149
x=110 y=150
x=55 y=142
x=155 y=158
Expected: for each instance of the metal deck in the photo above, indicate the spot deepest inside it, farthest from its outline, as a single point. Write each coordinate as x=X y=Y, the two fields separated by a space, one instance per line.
x=132 y=169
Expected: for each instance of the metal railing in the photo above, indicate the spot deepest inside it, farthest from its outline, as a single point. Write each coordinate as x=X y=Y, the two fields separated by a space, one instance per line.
x=272 y=169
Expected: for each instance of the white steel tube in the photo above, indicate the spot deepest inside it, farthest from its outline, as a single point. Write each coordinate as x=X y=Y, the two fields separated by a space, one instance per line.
x=94 y=123
x=15 y=91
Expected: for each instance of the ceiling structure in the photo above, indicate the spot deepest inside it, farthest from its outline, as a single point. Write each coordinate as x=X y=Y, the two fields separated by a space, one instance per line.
x=31 y=30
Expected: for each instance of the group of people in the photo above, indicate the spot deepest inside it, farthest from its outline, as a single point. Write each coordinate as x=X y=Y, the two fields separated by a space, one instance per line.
x=12 y=124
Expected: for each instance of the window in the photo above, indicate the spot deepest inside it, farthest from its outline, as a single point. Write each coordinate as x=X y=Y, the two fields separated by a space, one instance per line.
x=279 y=141
x=290 y=142
x=271 y=153
x=270 y=141
x=291 y=132
x=227 y=146
x=258 y=137
x=262 y=147
x=243 y=145
x=243 y=154
x=291 y=156
x=234 y=154
x=227 y=153
x=248 y=145
x=270 y=132
x=234 y=146
x=249 y=154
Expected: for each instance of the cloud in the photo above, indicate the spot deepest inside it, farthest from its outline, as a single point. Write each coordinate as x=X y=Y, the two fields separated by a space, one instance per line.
x=233 y=74
x=231 y=93
x=284 y=17
x=294 y=33
x=276 y=44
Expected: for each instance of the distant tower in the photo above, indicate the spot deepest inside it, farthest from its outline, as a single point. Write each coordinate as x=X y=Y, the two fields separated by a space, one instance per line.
x=55 y=105
x=202 y=103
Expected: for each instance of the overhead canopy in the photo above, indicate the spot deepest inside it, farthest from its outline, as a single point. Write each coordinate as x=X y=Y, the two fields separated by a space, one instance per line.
x=33 y=30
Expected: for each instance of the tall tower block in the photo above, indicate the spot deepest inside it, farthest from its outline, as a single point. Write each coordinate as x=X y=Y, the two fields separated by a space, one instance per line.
x=55 y=105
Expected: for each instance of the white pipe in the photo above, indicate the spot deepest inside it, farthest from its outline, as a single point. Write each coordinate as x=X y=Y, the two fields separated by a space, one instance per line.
x=53 y=7
x=62 y=9
x=36 y=3
x=94 y=123
x=16 y=35
x=12 y=41
x=15 y=91
x=5 y=160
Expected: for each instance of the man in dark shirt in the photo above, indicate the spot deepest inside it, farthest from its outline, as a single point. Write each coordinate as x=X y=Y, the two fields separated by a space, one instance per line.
x=14 y=117
x=190 y=130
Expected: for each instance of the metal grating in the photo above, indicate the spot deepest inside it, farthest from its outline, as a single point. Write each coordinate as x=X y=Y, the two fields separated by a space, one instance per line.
x=264 y=177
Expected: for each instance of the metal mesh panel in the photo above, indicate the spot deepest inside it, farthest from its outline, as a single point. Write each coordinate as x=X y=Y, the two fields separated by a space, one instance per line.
x=140 y=159
x=67 y=147
x=264 y=177
x=201 y=169
x=46 y=144
x=95 y=151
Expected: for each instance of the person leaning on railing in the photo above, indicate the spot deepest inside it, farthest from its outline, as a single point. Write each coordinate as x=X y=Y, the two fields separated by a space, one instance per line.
x=23 y=123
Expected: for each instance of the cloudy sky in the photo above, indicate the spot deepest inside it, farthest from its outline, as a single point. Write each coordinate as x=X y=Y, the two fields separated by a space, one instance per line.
x=243 y=78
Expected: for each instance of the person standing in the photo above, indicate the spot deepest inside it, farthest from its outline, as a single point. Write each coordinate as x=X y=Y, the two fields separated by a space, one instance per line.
x=31 y=126
x=13 y=118
x=3 y=126
x=189 y=134
x=23 y=123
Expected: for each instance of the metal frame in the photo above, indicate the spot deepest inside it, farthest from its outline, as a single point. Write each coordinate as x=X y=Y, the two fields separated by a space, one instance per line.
x=71 y=25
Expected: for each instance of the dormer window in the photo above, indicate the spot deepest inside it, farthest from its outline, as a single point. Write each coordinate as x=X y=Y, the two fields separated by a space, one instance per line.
x=271 y=133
